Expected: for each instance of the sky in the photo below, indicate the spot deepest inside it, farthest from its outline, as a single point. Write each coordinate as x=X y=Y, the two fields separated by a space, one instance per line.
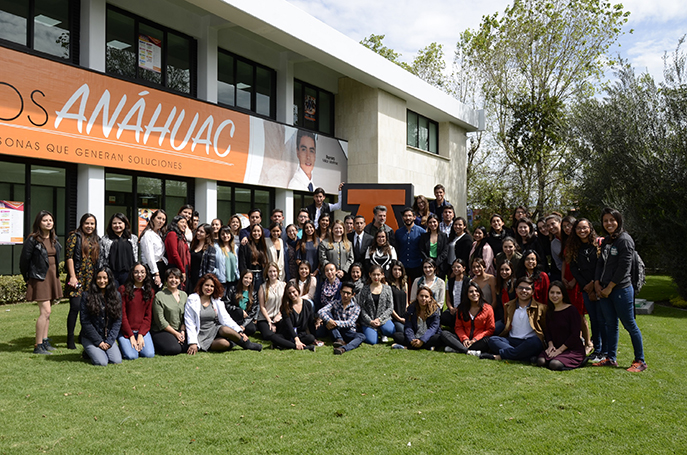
x=411 y=25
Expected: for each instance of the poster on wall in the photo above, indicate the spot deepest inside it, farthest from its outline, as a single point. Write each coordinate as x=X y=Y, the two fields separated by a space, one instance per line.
x=149 y=53
x=143 y=218
x=11 y=223
x=310 y=108
x=53 y=111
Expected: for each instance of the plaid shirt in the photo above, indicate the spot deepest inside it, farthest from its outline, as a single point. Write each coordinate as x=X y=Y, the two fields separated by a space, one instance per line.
x=345 y=318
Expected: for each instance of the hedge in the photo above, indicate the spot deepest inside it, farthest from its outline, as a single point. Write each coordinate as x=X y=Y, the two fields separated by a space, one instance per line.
x=13 y=287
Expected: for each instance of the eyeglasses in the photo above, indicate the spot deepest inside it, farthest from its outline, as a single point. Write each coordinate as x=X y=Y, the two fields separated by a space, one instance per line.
x=521 y=288
x=346 y=293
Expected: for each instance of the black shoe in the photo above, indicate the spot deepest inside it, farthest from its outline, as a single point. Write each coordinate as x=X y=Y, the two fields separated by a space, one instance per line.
x=252 y=346
x=47 y=346
x=339 y=351
x=40 y=349
x=486 y=355
x=338 y=343
x=310 y=347
x=70 y=342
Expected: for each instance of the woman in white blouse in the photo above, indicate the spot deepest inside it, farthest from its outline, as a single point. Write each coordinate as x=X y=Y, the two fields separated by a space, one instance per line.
x=153 y=246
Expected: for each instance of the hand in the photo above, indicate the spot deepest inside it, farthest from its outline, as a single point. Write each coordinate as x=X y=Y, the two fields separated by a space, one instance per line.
x=243 y=336
x=341 y=185
x=375 y=323
x=402 y=320
x=452 y=310
x=245 y=315
x=550 y=351
x=73 y=282
x=318 y=323
x=331 y=324
x=300 y=346
x=104 y=346
x=570 y=284
x=134 y=343
x=468 y=343
x=141 y=343
x=589 y=288
x=416 y=343
x=157 y=280
x=605 y=292
x=244 y=240
x=192 y=349
x=183 y=278
x=597 y=288
x=180 y=337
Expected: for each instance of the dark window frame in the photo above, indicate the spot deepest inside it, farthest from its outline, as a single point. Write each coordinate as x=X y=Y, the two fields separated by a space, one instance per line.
x=193 y=57
x=253 y=93
x=417 y=133
x=74 y=35
x=301 y=114
x=252 y=189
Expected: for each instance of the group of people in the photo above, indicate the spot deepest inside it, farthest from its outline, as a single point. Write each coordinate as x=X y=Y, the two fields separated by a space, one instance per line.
x=516 y=292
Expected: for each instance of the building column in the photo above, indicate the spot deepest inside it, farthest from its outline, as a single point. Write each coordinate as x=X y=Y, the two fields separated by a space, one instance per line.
x=206 y=199
x=207 y=62
x=90 y=193
x=285 y=89
x=93 y=39
x=283 y=199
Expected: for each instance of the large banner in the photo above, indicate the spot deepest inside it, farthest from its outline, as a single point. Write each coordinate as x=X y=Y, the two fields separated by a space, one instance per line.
x=54 y=111
x=11 y=223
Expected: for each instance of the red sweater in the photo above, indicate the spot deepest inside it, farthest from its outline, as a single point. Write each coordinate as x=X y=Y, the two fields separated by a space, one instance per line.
x=177 y=252
x=541 y=288
x=136 y=313
x=479 y=327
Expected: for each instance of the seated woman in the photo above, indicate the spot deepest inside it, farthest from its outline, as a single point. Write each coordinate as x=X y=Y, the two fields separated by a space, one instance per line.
x=429 y=278
x=531 y=266
x=137 y=313
x=485 y=281
x=331 y=287
x=422 y=323
x=356 y=272
x=457 y=282
x=505 y=286
x=399 y=288
x=306 y=282
x=565 y=350
x=381 y=253
x=270 y=295
x=242 y=303
x=523 y=337
x=296 y=329
x=474 y=324
x=376 y=305
x=208 y=325
x=481 y=249
x=101 y=318
x=168 y=329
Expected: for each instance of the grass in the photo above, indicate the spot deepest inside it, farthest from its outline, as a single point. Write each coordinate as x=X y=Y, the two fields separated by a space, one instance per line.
x=371 y=400
x=658 y=288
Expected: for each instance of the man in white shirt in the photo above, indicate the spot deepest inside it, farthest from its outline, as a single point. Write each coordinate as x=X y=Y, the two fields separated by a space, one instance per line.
x=307 y=154
x=360 y=239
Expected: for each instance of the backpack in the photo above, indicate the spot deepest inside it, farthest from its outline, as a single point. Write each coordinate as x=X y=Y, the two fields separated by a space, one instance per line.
x=638 y=273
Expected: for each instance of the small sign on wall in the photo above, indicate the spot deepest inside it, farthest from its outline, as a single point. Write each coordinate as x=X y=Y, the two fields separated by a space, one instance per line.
x=11 y=223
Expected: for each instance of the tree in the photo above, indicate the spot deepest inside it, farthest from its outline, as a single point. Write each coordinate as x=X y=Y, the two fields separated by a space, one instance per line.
x=633 y=148
x=374 y=43
x=532 y=61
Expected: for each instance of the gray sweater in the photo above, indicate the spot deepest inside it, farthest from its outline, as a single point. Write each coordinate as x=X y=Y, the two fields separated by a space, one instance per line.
x=615 y=263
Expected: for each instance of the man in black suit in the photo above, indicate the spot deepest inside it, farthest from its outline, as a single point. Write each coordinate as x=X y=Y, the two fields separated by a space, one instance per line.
x=360 y=239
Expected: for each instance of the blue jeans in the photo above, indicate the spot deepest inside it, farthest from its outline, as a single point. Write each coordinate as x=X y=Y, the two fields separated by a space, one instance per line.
x=516 y=348
x=128 y=351
x=352 y=338
x=98 y=356
x=596 y=318
x=620 y=304
x=371 y=334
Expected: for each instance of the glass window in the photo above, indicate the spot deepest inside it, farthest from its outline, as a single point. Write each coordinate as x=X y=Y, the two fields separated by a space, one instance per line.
x=242 y=200
x=262 y=202
x=12 y=188
x=176 y=195
x=423 y=133
x=42 y=25
x=245 y=84
x=237 y=199
x=119 y=196
x=313 y=108
x=140 y=49
x=224 y=199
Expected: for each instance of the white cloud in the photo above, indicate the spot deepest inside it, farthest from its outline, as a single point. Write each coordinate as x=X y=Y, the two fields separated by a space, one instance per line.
x=656 y=11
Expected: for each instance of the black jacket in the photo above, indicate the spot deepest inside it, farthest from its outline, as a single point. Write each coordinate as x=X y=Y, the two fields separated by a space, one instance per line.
x=324 y=210
x=463 y=247
x=442 y=251
x=99 y=328
x=34 y=262
x=232 y=304
x=615 y=263
x=359 y=256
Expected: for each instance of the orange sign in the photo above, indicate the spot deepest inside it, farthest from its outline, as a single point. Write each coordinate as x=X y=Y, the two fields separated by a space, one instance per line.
x=362 y=198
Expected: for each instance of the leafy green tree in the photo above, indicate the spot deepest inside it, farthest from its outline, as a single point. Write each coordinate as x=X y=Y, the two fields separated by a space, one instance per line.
x=375 y=44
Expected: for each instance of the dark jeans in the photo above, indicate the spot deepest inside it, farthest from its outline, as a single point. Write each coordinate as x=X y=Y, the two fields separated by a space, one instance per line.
x=620 y=305
x=352 y=337
x=510 y=348
x=237 y=315
x=433 y=342
x=265 y=332
x=451 y=339
x=448 y=320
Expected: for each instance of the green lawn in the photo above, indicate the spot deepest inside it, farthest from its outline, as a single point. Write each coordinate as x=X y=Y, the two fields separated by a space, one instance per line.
x=658 y=288
x=371 y=400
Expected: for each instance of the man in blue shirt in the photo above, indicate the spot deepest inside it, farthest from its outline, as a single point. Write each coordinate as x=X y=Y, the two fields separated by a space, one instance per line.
x=408 y=245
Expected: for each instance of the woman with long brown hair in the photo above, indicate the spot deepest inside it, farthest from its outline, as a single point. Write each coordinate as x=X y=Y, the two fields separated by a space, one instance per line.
x=422 y=323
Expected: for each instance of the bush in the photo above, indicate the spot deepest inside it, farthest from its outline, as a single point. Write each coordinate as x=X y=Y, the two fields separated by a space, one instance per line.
x=12 y=289
x=677 y=302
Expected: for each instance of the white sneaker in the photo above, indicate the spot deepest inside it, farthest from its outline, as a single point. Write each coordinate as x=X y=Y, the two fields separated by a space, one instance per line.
x=385 y=339
x=475 y=353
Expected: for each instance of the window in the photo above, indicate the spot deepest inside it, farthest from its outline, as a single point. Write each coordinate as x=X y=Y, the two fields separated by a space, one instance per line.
x=145 y=51
x=233 y=199
x=423 y=133
x=302 y=200
x=138 y=196
x=313 y=108
x=245 y=84
x=46 y=26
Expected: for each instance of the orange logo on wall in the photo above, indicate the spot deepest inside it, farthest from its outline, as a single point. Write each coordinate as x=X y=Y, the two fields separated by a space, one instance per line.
x=362 y=198
x=55 y=111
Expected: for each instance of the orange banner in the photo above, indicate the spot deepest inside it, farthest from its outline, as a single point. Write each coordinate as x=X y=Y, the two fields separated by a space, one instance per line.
x=55 y=111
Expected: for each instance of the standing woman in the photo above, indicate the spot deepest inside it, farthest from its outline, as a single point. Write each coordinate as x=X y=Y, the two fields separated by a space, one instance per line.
x=253 y=255
x=376 y=305
x=474 y=324
x=485 y=281
x=215 y=225
x=505 y=286
x=434 y=245
x=153 y=247
x=296 y=329
x=186 y=211
x=208 y=325
x=119 y=247
x=381 y=253
x=101 y=318
x=459 y=242
x=39 y=261
x=270 y=297
x=526 y=236
x=510 y=253
x=235 y=226
x=277 y=250
x=581 y=255
x=202 y=255
x=307 y=247
x=337 y=250
x=421 y=210
x=137 y=313
x=167 y=329
x=430 y=279
x=291 y=243
x=421 y=329
x=481 y=249
x=564 y=350
x=530 y=266
x=81 y=258
x=614 y=286
x=176 y=248
x=323 y=227
x=399 y=289
x=226 y=259
x=241 y=301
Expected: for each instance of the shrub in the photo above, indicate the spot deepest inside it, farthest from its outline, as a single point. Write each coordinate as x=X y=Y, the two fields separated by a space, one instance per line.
x=12 y=289
x=678 y=302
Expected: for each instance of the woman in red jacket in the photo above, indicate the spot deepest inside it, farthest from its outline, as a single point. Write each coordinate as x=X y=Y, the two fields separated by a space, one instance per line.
x=137 y=312
x=176 y=248
x=474 y=324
